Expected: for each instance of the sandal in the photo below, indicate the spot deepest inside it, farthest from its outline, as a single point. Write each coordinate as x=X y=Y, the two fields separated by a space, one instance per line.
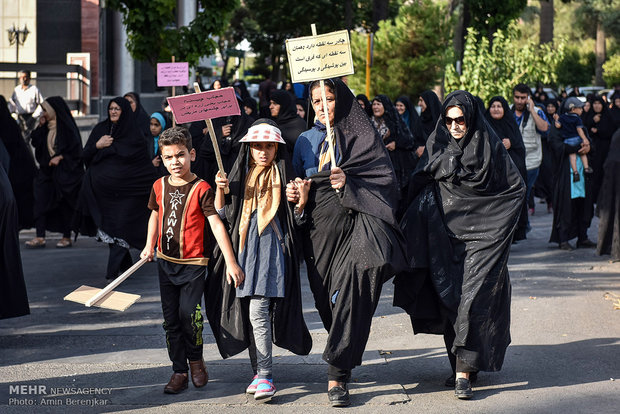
x=36 y=243
x=64 y=242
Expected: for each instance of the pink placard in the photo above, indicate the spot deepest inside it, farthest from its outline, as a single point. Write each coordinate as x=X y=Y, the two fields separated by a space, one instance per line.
x=172 y=74
x=204 y=105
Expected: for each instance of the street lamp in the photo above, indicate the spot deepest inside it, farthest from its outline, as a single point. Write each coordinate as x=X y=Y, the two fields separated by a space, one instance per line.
x=17 y=37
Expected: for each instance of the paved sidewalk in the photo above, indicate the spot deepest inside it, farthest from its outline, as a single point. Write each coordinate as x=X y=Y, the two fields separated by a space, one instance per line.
x=564 y=356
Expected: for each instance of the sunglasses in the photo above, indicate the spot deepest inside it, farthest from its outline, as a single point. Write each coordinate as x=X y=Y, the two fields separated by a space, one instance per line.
x=460 y=120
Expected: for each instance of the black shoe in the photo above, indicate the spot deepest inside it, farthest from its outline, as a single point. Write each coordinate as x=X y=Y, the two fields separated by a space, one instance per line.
x=566 y=246
x=576 y=177
x=462 y=389
x=586 y=243
x=451 y=380
x=339 y=396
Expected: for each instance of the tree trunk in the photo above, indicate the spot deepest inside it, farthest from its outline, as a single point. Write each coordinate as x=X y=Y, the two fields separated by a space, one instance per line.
x=348 y=15
x=546 y=21
x=599 y=50
x=379 y=12
x=460 y=29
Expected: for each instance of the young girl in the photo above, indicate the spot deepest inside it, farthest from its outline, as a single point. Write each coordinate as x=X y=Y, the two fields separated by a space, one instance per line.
x=157 y=126
x=267 y=305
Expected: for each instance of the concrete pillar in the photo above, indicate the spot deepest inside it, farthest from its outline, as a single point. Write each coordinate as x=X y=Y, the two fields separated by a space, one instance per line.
x=123 y=62
x=186 y=13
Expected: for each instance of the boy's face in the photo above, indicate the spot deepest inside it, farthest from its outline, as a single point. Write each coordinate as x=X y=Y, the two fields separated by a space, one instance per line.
x=177 y=160
x=577 y=110
x=263 y=153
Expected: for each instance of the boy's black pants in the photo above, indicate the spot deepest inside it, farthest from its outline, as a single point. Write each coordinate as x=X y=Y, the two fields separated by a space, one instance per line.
x=181 y=296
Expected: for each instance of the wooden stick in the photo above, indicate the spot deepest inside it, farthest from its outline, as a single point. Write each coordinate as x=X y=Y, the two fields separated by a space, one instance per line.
x=216 y=147
x=173 y=95
x=330 y=141
x=115 y=282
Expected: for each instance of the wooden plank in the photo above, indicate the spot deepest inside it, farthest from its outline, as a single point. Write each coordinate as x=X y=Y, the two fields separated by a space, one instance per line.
x=114 y=300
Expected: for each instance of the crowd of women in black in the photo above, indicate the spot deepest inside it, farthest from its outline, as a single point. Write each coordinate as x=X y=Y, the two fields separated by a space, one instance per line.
x=435 y=198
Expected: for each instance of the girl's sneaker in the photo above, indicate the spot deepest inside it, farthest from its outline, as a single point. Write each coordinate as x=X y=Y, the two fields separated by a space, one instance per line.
x=251 y=389
x=265 y=389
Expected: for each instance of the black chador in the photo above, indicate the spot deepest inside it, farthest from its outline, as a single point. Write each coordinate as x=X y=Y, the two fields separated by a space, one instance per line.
x=467 y=196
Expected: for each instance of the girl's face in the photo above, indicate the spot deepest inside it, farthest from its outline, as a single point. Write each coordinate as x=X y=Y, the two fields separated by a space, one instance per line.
x=217 y=85
x=274 y=108
x=362 y=104
x=422 y=104
x=597 y=106
x=496 y=110
x=263 y=153
x=301 y=111
x=550 y=109
x=114 y=112
x=377 y=109
x=400 y=107
x=317 y=104
x=248 y=110
x=455 y=122
x=586 y=107
x=155 y=127
x=132 y=102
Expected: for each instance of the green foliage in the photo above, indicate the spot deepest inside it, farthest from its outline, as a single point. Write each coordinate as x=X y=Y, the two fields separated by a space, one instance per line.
x=590 y=12
x=488 y=16
x=409 y=53
x=575 y=68
x=487 y=73
x=152 y=34
x=611 y=70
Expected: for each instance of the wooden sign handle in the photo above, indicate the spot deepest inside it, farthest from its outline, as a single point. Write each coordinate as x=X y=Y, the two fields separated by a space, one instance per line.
x=330 y=140
x=103 y=292
x=216 y=147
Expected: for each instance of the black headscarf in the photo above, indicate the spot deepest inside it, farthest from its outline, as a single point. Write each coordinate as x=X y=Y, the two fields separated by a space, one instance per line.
x=367 y=104
x=428 y=118
x=468 y=196
x=411 y=115
x=290 y=124
x=143 y=120
x=304 y=104
x=251 y=103
x=22 y=169
x=228 y=316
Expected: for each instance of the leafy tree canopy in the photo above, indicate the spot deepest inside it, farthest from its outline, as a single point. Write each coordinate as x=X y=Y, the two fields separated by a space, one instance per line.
x=153 y=35
x=510 y=60
x=409 y=53
x=488 y=16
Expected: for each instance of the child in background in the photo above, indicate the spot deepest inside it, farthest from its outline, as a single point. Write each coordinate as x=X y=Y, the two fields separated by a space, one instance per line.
x=180 y=202
x=157 y=125
x=571 y=128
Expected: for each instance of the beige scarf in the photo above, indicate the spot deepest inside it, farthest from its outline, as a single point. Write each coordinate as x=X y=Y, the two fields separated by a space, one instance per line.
x=51 y=125
x=262 y=192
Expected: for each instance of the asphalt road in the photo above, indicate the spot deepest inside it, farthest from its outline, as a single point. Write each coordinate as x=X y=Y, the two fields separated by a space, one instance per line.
x=66 y=358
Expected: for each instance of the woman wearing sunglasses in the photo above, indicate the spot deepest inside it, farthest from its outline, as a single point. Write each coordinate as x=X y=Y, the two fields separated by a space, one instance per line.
x=466 y=198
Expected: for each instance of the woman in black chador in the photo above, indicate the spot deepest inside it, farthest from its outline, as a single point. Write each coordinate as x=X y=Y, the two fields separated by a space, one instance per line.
x=117 y=185
x=425 y=125
x=467 y=197
x=284 y=111
x=22 y=169
x=140 y=115
x=58 y=149
x=503 y=123
x=608 y=205
x=351 y=241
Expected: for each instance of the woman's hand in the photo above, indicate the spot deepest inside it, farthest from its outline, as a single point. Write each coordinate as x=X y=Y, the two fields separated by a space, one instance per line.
x=391 y=146
x=419 y=151
x=226 y=130
x=594 y=130
x=556 y=117
x=337 y=178
x=104 y=141
x=292 y=192
x=506 y=143
x=55 y=160
x=597 y=118
x=156 y=161
x=221 y=181
x=303 y=188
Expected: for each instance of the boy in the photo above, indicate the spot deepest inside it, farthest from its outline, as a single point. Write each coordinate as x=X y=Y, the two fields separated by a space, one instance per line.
x=571 y=128
x=179 y=203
